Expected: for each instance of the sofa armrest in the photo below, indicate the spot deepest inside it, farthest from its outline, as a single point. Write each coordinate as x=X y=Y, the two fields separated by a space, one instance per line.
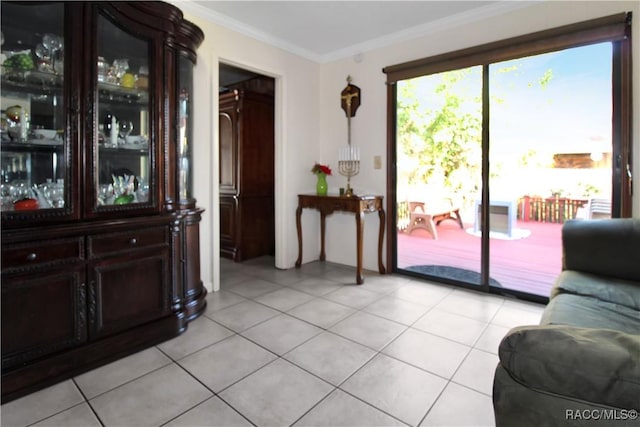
x=595 y=365
x=606 y=247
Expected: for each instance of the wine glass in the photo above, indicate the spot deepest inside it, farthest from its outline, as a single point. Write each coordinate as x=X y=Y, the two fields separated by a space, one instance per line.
x=41 y=52
x=120 y=66
x=105 y=194
x=52 y=48
x=126 y=127
x=54 y=194
x=52 y=43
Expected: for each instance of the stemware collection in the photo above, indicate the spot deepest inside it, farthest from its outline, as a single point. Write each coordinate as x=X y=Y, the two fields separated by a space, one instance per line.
x=113 y=132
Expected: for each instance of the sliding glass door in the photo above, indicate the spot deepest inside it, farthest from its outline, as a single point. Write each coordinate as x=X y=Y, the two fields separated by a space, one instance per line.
x=439 y=158
x=550 y=149
x=488 y=161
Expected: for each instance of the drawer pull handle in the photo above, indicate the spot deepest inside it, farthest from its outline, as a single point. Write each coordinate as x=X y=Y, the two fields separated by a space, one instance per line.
x=133 y=241
x=32 y=256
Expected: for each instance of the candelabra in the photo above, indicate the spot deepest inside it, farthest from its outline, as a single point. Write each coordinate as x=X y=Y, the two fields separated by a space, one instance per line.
x=349 y=165
x=349 y=156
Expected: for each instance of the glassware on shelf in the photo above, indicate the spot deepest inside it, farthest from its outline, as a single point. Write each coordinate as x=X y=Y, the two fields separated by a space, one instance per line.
x=6 y=199
x=125 y=128
x=49 y=53
x=19 y=189
x=142 y=193
x=17 y=122
x=111 y=129
x=143 y=78
x=123 y=189
x=52 y=42
x=120 y=67
x=103 y=69
x=39 y=191
x=54 y=194
x=106 y=194
x=44 y=62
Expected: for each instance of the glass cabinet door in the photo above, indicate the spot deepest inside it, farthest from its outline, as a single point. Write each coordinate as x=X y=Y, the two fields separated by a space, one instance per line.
x=185 y=131
x=32 y=123
x=122 y=172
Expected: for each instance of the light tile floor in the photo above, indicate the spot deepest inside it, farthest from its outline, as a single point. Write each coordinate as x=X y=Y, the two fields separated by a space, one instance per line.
x=302 y=347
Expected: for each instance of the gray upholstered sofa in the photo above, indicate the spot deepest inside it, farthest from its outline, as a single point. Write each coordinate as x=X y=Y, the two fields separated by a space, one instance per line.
x=581 y=365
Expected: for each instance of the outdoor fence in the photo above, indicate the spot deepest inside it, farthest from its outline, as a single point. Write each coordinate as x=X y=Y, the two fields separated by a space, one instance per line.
x=402 y=215
x=550 y=209
x=538 y=209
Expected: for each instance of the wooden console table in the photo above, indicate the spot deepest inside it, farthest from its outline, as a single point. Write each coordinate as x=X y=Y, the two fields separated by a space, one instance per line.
x=359 y=205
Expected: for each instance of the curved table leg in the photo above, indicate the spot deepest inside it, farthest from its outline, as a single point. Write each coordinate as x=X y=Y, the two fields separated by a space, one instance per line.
x=323 y=223
x=359 y=232
x=382 y=216
x=299 y=227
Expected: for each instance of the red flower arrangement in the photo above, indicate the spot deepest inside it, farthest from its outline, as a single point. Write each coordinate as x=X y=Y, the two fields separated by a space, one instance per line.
x=318 y=168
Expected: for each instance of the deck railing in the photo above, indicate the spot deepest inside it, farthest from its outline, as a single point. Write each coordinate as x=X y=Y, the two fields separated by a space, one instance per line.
x=550 y=209
x=402 y=212
x=539 y=209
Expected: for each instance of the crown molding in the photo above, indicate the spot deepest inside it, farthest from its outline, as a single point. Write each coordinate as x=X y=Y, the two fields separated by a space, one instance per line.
x=427 y=28
x=410 y=33
x=244 y=29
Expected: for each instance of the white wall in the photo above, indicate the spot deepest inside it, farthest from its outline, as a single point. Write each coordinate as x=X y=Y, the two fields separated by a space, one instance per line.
x=369 y=125
x=296 y=139
x=311 y=126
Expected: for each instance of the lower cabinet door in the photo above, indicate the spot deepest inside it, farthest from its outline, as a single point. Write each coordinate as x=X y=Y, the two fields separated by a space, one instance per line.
x=228 y=218
x=126 y=292
x=42 y=312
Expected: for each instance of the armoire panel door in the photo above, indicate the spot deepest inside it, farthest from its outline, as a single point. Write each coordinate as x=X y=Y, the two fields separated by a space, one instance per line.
x=228 y=217
x=228 y=149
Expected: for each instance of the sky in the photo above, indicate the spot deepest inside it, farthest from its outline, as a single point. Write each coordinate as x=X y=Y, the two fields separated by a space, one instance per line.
x=571 y=113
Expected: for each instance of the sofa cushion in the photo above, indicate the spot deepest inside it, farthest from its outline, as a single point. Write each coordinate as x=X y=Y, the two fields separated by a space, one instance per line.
x=608 y=247
x=618 y=291
x=596 y=365
x=518 y=406
x=588 y=312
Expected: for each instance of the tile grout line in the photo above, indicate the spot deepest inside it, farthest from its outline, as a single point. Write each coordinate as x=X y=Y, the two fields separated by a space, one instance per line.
x=258 y=274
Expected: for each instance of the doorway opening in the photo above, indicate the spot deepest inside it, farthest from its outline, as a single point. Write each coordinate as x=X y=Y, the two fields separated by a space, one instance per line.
x=247 y=157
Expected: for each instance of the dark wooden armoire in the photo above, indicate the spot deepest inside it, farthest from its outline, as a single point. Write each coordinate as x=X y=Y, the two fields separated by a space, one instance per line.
x=247 y=227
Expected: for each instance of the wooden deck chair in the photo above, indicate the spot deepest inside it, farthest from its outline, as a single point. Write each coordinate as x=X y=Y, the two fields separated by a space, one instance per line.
x=428 y=215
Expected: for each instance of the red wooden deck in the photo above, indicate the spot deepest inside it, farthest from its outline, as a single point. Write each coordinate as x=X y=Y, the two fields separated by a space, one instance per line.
x=530 y=264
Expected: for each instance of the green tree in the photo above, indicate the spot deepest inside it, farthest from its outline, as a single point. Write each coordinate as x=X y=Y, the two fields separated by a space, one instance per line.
x=440 y=131
x=441 y=144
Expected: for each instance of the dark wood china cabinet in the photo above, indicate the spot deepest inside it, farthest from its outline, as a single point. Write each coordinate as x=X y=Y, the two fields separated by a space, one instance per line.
x=100 y=231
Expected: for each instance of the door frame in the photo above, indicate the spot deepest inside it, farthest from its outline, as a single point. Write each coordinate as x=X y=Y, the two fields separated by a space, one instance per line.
x=615 y=29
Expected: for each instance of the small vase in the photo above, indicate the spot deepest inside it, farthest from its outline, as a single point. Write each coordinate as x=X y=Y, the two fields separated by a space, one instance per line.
x=321 y=186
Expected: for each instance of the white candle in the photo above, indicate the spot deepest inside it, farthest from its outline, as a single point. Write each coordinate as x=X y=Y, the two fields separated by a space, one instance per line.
x=24 y=124
x=114 y=131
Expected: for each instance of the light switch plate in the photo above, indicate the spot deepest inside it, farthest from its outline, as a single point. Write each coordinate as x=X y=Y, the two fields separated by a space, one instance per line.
x=377 y=162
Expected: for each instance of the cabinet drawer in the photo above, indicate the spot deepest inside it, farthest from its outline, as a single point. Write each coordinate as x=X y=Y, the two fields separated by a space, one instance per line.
x=44 y=252
x=100 y=245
